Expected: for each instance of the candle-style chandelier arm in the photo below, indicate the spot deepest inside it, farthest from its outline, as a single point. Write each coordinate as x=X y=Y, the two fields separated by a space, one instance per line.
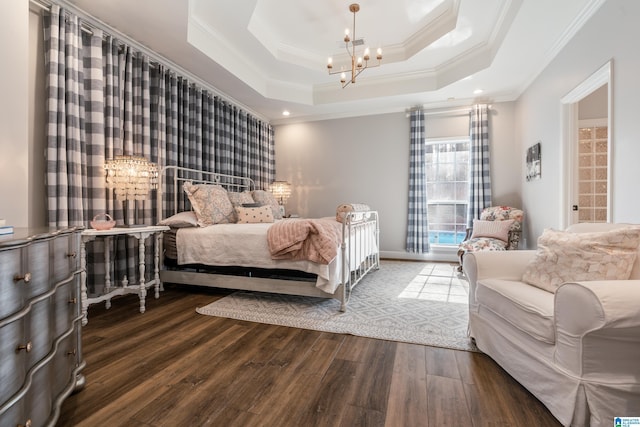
x=355 y=71
x=358 y=64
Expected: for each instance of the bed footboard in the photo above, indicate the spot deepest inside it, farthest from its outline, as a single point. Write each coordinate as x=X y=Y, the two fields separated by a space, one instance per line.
x=360 y=250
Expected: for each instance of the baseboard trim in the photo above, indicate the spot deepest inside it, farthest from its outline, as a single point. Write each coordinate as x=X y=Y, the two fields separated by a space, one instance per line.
x=436 y=254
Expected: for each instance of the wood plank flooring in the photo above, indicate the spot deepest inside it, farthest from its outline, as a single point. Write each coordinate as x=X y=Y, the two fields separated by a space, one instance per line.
x=173 y=367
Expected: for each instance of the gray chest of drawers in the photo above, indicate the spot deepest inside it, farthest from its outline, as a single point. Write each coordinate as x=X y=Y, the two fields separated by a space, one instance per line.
x=40 y=324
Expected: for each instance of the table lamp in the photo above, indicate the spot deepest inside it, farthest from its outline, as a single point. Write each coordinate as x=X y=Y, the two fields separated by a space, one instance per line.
x=281 y=190
x=132 y=178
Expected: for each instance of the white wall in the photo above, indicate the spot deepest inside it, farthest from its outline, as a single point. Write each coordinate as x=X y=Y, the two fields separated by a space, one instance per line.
x=37 y=120
x=611 y=34
x=14 y=145
x=365 y=160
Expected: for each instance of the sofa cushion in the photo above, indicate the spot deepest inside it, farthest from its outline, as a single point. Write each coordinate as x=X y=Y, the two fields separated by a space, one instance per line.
x=564 y=256
x=525 y=307
x=482 y=244
x=587 y=227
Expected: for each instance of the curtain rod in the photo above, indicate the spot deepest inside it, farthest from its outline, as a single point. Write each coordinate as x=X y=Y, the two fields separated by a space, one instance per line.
x=47 y=8
x=90 y=22
x=451 y=111
x=465 y=110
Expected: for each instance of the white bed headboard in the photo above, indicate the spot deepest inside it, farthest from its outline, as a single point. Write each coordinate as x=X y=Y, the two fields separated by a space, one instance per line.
x=171 y=197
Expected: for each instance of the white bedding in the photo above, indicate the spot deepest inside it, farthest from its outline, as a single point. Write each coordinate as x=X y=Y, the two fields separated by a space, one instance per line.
x=245 y=245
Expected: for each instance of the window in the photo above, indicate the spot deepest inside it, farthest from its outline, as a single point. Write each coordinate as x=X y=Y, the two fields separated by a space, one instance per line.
x=592 y=173
x=447 y=170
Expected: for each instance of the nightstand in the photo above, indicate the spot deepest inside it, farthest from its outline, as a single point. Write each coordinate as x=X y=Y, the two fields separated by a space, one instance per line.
x=139 y=233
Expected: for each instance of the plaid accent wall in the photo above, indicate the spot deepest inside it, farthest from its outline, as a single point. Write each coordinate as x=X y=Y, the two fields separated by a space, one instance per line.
x=417 y=221
x=106 y=99
x=480 y=176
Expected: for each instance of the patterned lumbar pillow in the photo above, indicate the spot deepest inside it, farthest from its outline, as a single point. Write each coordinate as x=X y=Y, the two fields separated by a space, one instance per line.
x=564 y=256
x=210 y=203
x=492 y=229
x=254 y=215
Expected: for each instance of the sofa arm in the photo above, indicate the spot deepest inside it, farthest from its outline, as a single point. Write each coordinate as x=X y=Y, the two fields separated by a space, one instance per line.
x=496 y=264
x=598 y=330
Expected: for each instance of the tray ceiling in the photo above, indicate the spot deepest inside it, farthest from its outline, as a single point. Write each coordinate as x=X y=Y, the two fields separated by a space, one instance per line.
x=271 y=55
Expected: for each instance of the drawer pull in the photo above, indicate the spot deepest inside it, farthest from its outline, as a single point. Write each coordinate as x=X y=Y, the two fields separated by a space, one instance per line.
x=26 y=347
x=71 y=353
x=73 y=301
x=26 y=278
x=71 y=255
x=26 y=424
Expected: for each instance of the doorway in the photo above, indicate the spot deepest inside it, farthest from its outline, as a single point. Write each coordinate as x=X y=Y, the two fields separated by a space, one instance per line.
x=579 y=190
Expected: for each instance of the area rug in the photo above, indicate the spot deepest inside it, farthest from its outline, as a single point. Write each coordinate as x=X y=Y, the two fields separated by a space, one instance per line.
x=413 y=302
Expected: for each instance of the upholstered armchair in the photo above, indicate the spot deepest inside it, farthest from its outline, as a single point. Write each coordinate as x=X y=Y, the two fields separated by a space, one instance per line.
x=498 y=229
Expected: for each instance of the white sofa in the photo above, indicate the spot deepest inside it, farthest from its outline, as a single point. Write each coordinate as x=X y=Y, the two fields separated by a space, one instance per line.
x=577 y=351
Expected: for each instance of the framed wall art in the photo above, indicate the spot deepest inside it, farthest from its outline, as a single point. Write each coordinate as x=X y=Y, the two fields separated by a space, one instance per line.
x=534 y=162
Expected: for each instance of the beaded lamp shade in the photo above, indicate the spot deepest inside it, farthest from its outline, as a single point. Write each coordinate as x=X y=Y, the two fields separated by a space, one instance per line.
x=281 y=191
x=131 y=177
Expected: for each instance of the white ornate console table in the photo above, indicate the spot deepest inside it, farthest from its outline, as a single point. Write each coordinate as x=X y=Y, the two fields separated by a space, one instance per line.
x=141 y=234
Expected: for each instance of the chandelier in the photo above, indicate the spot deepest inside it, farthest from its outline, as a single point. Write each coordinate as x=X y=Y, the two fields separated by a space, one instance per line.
x=358 y=63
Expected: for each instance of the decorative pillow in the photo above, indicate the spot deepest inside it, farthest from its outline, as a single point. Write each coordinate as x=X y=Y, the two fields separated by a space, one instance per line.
x=254 y=215
x=266 y=198
x=210 y=203
x=251 y=205
x=239 y=199
x=181 y=220
x=564 y=256
x=343 y=209
x=492 y=229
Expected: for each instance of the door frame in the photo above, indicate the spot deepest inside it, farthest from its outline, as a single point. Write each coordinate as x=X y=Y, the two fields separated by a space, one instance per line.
x=570 y=138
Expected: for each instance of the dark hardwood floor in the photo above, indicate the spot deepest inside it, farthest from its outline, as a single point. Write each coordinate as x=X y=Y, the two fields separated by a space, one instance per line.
x=173 y=367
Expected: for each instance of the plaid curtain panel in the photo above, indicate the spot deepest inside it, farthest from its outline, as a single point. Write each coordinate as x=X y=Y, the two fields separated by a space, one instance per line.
x=417 y=224
x=66 y=180
x=479 y=164
x=105 y=99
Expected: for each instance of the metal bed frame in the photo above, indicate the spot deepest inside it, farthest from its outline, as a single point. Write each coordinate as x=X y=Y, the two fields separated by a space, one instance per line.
x=360 y=234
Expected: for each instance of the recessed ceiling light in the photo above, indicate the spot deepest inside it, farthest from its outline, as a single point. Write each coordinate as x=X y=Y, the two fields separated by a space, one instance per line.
x=286 y=113
x=477 y=91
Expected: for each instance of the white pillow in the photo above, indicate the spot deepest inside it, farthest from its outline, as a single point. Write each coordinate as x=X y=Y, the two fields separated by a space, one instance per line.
x=181 y=220
x=492 y=229
x=564 y=256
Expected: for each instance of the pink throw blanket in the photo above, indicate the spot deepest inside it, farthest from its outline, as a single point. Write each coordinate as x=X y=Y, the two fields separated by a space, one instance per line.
x=314 y=240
